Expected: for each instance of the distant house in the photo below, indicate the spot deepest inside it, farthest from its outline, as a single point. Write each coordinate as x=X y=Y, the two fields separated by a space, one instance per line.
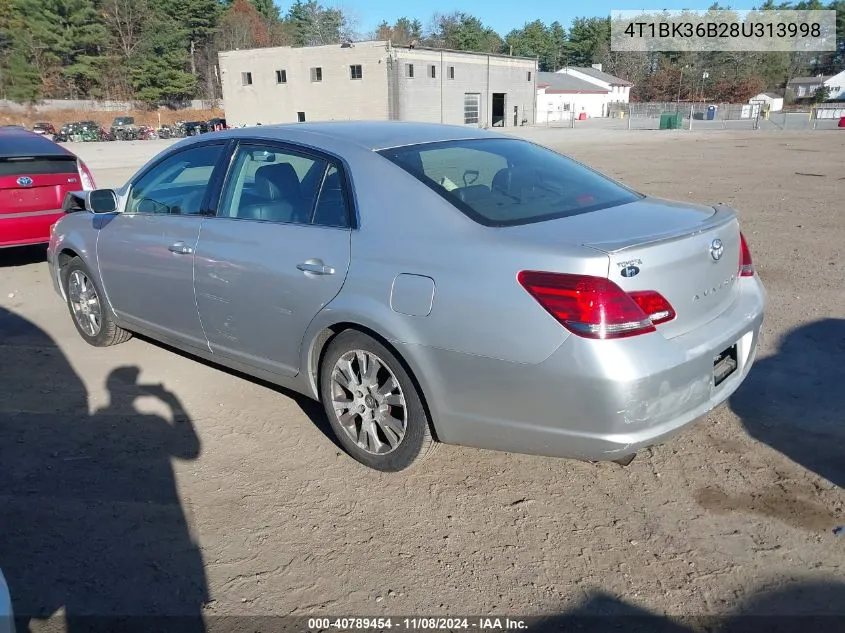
x=619 y=90
x=577 y=90
x=775 y=101
x=805 y=87
x=562 y=96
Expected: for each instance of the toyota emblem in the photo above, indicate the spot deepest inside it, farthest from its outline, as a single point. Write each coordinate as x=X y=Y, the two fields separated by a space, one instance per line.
x=24 y=181
x=716 y=249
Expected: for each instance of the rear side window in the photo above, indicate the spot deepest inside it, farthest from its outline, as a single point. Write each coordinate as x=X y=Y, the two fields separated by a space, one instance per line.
x=35 y=166
x=507 y=182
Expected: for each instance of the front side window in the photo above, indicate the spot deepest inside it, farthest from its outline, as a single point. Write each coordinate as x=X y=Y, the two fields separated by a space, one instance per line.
x=274 y=185
x=505 y=182
x=176 y=185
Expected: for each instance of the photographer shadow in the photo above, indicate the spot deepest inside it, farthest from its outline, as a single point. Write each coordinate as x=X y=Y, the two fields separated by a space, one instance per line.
x=92 y=522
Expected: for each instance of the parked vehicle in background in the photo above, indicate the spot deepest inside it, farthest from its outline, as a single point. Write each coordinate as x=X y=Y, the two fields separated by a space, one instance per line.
x=124 y=129
x=63 y=135
x=44 y=128
x=7 y=615
x=423 y=281
x=195 y=128
x=35 y=176
x=216 y=124
x=165 y=131
x=146 y=133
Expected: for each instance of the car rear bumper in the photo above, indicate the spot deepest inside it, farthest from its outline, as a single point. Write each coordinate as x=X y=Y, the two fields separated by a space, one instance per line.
x=25 y=229
x=594 y=400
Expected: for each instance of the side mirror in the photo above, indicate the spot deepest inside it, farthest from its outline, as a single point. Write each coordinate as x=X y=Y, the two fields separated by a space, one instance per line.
x=102 y=201
x=97 y=201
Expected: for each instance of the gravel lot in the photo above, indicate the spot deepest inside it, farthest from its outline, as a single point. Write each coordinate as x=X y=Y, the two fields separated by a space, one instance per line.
x=137 y=480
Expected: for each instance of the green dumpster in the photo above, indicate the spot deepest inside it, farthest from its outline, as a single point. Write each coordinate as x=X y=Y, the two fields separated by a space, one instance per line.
x=671 y=121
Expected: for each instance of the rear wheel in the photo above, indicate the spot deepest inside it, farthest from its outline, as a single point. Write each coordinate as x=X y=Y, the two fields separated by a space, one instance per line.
x=372 y=404
x=88 y=308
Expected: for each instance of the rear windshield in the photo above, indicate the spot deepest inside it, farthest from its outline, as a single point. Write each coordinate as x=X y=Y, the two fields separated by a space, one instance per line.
x=34 y=166
x=505 y=182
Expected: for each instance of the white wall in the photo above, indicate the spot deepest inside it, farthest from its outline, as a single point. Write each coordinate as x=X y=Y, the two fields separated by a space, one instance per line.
x=559 y=107
x=837 y=85
x=775 y=103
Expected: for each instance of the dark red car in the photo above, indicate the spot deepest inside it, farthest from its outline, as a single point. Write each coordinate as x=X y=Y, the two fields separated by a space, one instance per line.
x=35 y=176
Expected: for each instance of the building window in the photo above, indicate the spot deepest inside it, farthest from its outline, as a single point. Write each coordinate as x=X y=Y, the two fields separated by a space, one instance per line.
x=317 y=74
x=246 y=79
x=409 y=70
x=281 y=76
x=300 y=117
x=529 y=75
x=355 y=71
x=432 y=71
x=472 y=100
x=451 y=72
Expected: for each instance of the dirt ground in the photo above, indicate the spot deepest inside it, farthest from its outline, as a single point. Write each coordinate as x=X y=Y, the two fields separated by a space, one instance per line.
x=137 y=480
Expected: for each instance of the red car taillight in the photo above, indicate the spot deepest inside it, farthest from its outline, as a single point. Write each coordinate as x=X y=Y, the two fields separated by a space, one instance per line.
x=595 y=307
x=746 y=266
x=85 y=176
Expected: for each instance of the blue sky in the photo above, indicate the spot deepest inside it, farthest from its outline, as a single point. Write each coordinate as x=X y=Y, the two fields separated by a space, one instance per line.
x=500 y=14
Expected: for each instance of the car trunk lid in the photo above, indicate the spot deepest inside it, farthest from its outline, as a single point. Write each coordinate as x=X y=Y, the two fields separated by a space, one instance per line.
x=689 y=254
x=661 y=246
x=31 y=184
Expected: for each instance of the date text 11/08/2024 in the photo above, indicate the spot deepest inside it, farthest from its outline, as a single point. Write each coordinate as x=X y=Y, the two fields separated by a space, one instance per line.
x=489 y=624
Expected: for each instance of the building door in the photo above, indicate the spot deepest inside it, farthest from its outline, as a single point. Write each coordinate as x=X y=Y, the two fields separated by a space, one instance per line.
x=300 y=117
x=472 y=107
x=498 y=109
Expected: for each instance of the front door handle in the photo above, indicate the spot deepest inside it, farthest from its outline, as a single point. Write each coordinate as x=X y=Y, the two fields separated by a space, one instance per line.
x=180 y=248
x=317 y=269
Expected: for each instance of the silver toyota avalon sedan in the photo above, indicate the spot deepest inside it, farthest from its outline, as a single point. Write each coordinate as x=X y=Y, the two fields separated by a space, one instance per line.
x=426 y=283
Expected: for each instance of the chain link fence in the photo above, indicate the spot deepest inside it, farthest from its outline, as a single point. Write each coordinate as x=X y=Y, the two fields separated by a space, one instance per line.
x=698 y=116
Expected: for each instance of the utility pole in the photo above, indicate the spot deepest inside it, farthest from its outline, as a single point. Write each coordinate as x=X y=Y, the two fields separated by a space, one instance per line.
x=193 y=61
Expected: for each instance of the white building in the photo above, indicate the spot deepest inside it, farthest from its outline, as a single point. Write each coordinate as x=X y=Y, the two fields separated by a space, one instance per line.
x=578 y=91
x=774 y=101
x=561 y=96
x=619 y=90
x=806 y=86
x=375 y=80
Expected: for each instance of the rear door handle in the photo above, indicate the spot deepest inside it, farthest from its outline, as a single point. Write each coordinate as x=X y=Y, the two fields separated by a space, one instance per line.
x=180 y=248
x=317 y=269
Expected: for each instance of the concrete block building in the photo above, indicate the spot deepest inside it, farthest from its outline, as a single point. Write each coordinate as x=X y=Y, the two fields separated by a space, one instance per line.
x=375 y=80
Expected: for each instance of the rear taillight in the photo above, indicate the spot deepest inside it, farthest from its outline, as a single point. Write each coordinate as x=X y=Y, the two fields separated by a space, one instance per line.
x=746 y=266
x=595 y=307
x=85 y=176
x=654 y=305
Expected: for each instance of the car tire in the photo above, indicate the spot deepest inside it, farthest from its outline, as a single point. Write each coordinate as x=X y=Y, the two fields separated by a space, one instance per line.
x=80 y=291
x=366 y=412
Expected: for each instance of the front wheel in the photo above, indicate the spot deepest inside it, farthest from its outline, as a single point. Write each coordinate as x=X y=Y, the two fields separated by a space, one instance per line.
x=372 y=403
x=88 y=308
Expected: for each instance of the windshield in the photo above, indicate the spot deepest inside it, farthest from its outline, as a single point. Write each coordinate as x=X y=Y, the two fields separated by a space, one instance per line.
x=505 y=182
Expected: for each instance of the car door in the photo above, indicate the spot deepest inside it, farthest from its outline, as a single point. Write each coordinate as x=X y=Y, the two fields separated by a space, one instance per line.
x=274 y=255
x=146 y=253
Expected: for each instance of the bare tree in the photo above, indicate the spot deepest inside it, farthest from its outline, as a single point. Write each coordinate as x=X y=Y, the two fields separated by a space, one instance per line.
x=125 y=19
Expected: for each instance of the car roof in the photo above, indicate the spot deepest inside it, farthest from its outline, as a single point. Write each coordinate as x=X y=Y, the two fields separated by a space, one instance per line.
x=17 y=142
x=372 y=135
